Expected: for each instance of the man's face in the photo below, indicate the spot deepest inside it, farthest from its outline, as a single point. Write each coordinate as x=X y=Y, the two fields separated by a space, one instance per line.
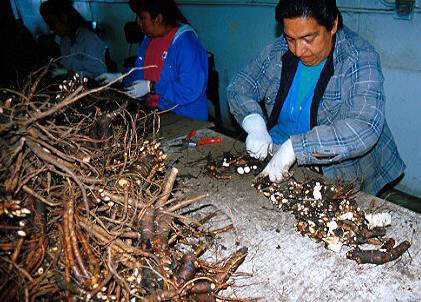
x=147 y=24
x=308 y=40
x=57 y=25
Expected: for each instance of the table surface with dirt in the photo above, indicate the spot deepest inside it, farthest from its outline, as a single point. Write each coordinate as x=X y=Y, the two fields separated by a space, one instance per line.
x=283 y=265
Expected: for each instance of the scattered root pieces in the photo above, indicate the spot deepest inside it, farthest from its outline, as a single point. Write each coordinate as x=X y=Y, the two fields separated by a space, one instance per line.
x=380 y=256
x=223 y=169
x=330 y=213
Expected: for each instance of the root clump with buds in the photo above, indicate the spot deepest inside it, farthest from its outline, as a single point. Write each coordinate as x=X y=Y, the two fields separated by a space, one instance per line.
x=87 y=207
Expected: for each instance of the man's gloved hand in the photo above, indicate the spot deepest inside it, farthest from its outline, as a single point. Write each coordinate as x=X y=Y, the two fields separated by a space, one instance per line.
x=280 y=163
x=58 y=71
x=107 y=77
x=139 y=88
x=258 y=141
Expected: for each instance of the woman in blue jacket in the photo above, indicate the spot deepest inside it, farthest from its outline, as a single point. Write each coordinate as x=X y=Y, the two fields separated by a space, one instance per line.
x=179 y=77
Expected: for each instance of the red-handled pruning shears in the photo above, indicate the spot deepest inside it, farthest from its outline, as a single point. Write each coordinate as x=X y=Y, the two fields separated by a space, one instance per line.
x=191 y=134
x=189 y=142
x=208 y=141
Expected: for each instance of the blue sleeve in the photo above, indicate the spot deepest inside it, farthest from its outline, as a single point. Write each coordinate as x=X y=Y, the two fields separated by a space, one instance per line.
x=185 y=75
x=258 y=80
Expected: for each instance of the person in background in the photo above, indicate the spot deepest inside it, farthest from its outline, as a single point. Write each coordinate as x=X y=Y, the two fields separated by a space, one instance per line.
x=323 y=89
x=180 y=79
x=81 y=49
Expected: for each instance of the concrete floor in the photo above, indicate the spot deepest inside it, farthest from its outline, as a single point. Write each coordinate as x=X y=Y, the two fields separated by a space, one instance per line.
x=282 y=265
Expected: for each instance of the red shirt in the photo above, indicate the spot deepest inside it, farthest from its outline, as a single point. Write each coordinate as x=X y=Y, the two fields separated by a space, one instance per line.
x=155 y=55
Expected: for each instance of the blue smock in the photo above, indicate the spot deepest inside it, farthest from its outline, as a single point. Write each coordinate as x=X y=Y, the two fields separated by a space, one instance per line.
x=295 y=114
x=184 y=77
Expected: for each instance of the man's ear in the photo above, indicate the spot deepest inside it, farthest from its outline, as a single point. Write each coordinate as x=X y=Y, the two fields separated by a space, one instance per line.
x=335 y=26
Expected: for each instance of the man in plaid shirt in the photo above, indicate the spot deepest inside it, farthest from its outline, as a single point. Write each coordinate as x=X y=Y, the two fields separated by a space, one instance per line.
x=322 y=87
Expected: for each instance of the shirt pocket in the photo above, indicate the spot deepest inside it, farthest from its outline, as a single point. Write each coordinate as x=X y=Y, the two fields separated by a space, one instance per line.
x=170 y=70
x=329 y=107
x=270 y=95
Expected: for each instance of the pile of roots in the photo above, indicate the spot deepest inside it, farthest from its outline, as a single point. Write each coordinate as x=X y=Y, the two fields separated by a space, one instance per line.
x=88 y=210
x=328 y=212
x=324 y=211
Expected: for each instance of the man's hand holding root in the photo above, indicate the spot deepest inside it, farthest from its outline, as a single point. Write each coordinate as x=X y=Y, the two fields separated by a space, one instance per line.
x=258 y=141
x=278 y=167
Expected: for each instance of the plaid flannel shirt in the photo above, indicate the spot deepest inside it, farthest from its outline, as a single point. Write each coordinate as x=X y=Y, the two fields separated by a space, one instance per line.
x=351 y=141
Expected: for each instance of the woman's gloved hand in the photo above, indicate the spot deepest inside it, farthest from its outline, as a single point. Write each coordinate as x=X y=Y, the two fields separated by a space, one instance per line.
x=108 y=77
x=258 y=141
x=280 y=163
x=139 y=88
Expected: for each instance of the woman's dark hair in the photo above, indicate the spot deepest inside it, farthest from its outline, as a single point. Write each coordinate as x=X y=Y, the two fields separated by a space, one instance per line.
x=167 y=8
x=324 y=11
x=60 y=8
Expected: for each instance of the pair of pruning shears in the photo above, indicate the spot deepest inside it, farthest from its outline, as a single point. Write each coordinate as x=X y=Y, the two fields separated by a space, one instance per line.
x=189 y=142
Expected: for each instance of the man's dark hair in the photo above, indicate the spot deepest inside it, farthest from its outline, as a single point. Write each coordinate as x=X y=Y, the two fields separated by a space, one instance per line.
x=323 y=11
x=135 y=5
x=167 y=8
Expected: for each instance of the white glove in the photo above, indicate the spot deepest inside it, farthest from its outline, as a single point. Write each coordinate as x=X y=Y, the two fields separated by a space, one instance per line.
x=280 y=163
x=58 y=71
x=258 y=141
x=139 y=88
x=107 y=77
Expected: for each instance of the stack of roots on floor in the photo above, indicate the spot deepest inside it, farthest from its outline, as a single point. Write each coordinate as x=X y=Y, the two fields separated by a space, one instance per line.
x=88 y=210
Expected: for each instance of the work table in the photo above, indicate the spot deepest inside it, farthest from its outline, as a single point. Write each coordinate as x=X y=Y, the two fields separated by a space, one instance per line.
x=282 y=265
